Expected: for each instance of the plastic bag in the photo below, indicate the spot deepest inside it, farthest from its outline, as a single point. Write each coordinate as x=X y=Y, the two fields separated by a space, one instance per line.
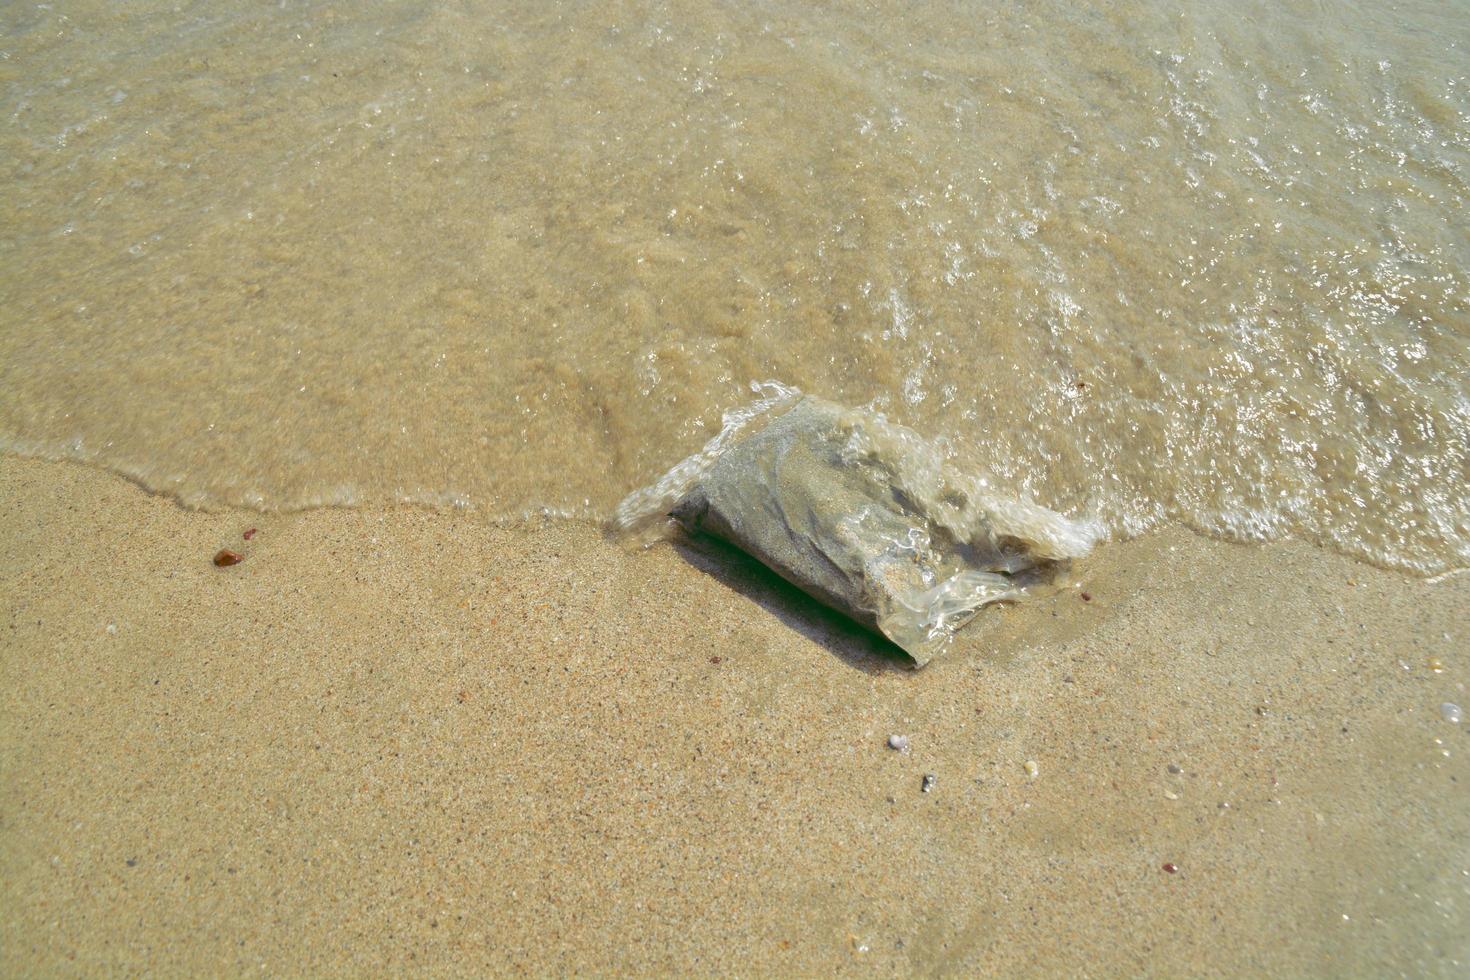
x=863 y=515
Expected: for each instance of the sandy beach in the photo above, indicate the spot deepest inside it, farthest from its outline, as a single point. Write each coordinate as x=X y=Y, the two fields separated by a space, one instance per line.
x=398 y=739
x=399 y=301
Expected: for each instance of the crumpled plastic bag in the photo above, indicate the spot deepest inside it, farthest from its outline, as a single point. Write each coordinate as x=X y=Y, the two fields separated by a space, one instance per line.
x=863 y=515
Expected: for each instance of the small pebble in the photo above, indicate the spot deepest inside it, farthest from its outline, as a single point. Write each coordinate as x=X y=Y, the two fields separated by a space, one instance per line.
x=898 y=743
x=226 y=557
x=112 y=629
x=928 y=782
x=1032 y=769
x=1171 y=867
x=1451 y=713
x=1086 y=597
x=249 y=534
x=1174 y=769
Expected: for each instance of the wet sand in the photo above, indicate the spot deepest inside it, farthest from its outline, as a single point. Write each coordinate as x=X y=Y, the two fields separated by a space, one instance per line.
x=394 y=739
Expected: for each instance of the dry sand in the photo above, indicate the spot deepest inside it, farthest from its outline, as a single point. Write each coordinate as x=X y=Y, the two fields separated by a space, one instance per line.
x=406 y=739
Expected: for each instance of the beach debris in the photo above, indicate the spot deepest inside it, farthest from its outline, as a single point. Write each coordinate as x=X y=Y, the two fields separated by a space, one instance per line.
x=863 y=515
x=1435 y=664
x=1086 y=596
x=928 y=782
x=1032 y=769
x=899 y=743
x=1451 y=713
x=1171 y=868
x=225 y=558
x=249 y=534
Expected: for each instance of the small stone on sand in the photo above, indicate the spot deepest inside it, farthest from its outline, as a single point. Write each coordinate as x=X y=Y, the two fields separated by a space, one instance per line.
x=1032 y=769
x=898 y=743
x=928 y=783
x=1451 y=713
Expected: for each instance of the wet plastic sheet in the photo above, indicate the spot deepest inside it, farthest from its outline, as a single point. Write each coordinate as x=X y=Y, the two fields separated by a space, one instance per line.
x=863 y=515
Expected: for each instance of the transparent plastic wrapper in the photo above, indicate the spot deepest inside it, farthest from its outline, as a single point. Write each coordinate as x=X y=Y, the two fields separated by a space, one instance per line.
x=863 y=515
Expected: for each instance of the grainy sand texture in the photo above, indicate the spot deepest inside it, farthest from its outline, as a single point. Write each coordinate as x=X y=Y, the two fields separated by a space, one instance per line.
x=398 y=739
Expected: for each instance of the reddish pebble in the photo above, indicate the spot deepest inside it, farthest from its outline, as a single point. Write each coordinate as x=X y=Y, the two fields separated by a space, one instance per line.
x=714 y=660
x=1087 y=597
x=1171 y=867
x=227 y=557
x=249 y=534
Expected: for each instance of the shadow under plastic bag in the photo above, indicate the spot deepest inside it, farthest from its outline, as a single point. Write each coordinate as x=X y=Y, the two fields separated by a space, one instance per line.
x=849 y=641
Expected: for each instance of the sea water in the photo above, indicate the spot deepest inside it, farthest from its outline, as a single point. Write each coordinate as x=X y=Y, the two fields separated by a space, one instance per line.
x=1136 y=262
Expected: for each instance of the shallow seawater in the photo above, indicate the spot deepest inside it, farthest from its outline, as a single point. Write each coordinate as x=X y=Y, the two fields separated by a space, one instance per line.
x=1155 y=262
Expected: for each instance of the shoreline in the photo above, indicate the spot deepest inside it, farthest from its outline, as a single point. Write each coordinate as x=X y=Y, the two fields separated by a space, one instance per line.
x=397 y=738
